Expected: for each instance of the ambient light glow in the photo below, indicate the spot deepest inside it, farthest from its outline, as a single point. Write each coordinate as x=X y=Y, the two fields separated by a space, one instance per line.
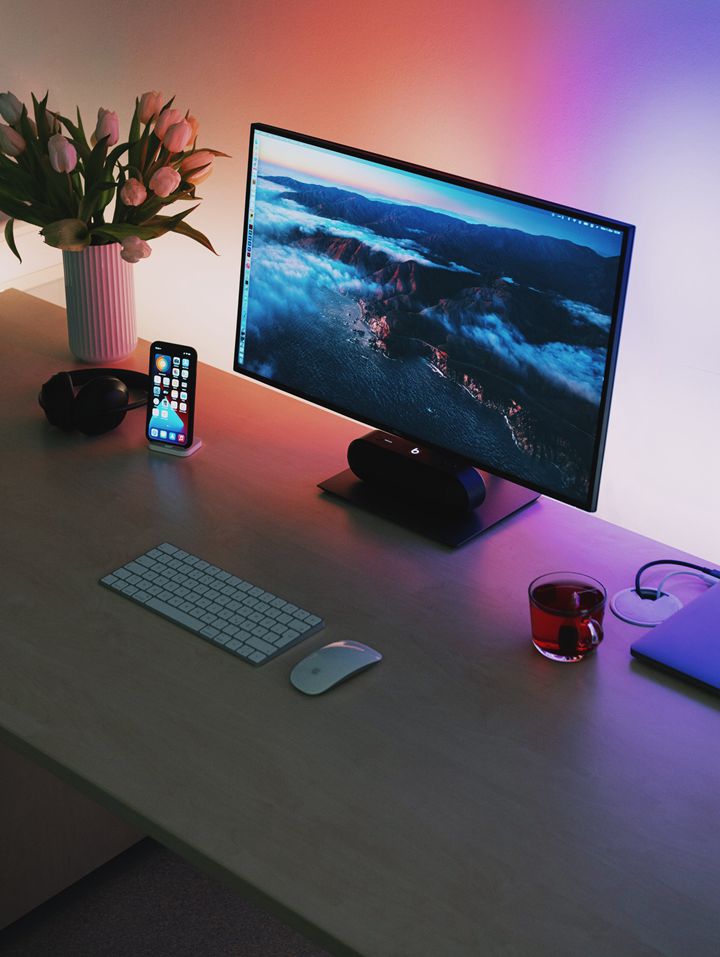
x=608 y=106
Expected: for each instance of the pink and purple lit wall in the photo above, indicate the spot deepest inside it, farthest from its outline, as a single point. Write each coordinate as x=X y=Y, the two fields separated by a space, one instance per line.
x=607 y=105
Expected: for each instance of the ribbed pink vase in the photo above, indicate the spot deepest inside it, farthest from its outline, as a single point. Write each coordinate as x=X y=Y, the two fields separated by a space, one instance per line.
x=100 y=298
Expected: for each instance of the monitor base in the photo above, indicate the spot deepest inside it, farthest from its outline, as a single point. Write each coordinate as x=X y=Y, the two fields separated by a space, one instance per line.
x=503 y=498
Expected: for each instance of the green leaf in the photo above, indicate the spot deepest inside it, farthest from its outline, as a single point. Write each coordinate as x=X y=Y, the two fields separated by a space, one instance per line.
x=149 y=151
x=95 y=165
x=152 y=206
x=143 y=146
x=77 y=136
x=32 y=155
x=10 y=238
x=41 y=120
x=114 y=155
x=26 y=209
x=120 y=231
x=17 y=178
x=95 y=199
x=144 y=212
x=80 y=125
x=183 y=196
x=83 y=151
x=186 y=230
x=120 y=211
x=60 y=193
x=13 y=207
x=170 y=222
x=105 y=198
x=25 y=128
x=68 y=234
x=73 y=130
x=134 y=137
x=206 y=149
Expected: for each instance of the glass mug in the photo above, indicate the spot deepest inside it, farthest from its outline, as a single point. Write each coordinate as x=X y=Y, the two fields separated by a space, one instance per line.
x=566 y=613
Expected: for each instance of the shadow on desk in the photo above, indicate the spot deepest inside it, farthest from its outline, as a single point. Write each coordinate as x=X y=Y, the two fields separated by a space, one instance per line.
x=687 y=687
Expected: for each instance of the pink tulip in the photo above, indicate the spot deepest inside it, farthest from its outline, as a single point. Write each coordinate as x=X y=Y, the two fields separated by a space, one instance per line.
x=201 y=161
x=150 y=106
x=133 y=193
x=108 y=125
x=166 y=119
x=194 y=126
x=63 y=155
x=164 y=181
x=134 y=249
x=11 y=143
x=177 y=137
x=10 y=107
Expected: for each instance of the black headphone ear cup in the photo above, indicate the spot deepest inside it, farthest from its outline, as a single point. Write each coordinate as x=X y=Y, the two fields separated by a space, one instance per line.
x=57 y=400
x=100 y=405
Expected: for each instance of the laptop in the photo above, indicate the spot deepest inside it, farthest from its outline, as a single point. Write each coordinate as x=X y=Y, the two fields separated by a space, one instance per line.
x=688 y=643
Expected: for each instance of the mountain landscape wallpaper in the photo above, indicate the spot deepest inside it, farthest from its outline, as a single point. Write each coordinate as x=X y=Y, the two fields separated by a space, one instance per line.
x=469 y=321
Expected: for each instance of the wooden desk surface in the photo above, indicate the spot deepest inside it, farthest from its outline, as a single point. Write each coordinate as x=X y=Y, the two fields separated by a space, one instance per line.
x=464 y=797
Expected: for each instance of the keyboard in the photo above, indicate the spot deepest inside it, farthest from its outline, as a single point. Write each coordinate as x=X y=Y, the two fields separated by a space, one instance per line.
x=229 y=612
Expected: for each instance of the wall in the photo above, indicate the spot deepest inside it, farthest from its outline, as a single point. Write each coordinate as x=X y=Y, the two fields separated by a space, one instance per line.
x=609 y=106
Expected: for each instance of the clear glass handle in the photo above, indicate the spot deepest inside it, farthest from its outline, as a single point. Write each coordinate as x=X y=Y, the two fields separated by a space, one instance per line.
x=595 y=629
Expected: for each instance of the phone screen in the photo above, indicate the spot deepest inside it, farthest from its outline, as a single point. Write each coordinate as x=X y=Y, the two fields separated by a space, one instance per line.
x=173 y=373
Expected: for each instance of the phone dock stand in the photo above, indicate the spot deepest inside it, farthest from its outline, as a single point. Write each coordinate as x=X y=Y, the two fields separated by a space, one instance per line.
x=172 y=450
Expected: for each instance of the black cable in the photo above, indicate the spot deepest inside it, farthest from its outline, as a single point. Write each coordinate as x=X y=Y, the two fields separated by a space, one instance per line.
x=650 y=593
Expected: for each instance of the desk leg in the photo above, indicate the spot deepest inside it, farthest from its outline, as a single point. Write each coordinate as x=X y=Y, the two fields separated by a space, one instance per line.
x=50 y=835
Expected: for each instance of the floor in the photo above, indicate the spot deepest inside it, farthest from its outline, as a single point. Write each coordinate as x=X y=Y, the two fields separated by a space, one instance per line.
x=150 y=903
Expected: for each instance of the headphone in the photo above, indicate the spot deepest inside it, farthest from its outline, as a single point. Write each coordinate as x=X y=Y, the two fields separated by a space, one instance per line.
x=92 y=400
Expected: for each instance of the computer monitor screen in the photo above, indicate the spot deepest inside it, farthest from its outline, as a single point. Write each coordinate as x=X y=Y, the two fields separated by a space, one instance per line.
x=469 y=318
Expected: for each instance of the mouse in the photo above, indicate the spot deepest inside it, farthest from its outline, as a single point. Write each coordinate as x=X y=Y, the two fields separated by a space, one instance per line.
x=330 y=665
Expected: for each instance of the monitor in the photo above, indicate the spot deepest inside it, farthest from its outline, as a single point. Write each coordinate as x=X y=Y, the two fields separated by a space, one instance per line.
x=470 y=319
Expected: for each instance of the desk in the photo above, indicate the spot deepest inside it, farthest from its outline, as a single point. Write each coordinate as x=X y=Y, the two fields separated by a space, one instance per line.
x=464 y=797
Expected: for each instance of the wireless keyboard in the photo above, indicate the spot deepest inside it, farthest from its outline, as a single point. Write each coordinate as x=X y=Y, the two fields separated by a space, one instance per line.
x=225 y=610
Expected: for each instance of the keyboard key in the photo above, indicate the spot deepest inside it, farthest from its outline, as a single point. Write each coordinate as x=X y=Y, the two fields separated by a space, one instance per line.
x=174 y=614
x=259 y=645
x=285 y=639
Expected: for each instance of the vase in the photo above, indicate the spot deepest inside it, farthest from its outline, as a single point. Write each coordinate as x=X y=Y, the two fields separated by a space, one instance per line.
x=100 y=298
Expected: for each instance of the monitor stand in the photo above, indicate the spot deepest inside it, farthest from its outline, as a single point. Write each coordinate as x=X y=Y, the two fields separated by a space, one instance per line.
x=382 y=493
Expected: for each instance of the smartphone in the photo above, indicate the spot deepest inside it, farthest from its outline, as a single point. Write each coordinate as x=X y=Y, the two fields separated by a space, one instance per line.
x=171 y=404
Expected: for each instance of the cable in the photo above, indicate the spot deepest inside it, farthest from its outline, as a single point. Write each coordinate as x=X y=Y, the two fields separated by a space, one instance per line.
x=650 y=606
x=650 y=592
x=703 y=578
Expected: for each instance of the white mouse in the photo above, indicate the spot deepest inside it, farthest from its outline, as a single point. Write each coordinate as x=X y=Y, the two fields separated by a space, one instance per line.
x=328 y=666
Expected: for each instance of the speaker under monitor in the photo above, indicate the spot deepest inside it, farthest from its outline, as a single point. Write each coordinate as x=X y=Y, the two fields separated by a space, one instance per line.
x=436 y=494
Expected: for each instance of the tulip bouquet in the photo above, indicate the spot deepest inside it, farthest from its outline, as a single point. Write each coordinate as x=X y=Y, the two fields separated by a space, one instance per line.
x=52 y=177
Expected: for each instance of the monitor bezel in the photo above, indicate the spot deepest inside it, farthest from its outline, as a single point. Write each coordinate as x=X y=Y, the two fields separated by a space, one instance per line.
x=590 y=503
